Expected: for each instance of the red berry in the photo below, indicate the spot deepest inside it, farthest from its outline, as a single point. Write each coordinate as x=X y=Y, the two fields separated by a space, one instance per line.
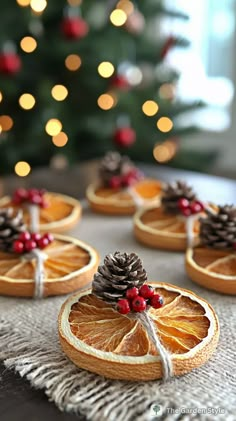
x=132 y=293
x=139 y=304
x=42 y=242
x=20 y=195
x=128 y=180
x=115 y=182
x=195 y=207
x=24 y=236
x=146 y=291
x=186 y=212
x=49 y=237
x=123 y=306
x=35 y=236
x=18 y=246
x=30 y=245
x=183 y=203
x=156 y=301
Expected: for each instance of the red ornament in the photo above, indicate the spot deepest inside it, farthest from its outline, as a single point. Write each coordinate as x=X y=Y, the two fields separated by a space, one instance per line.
x=124 y=137
x=132 y=293
x=123 y=306
x=18 y=246
x=10 y=63
x=139 y=304
x=120 y=82
x=156 y=301
x=146 y=291
x=74 y=27
x=170 y=42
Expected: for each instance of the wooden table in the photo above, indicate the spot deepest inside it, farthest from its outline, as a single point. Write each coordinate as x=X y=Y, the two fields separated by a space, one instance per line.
x=18 y=401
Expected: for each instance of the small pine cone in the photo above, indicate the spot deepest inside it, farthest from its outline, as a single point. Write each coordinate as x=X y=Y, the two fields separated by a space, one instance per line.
x=10 y=227
x=113 y=164
x=120 y=272
x=173 y=192
x=218 y=230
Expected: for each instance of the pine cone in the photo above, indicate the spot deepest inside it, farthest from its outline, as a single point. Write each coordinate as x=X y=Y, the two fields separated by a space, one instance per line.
x=219 y=230
x=10 y=227
x=173 y=192
x=120 y=272
x=113 y=164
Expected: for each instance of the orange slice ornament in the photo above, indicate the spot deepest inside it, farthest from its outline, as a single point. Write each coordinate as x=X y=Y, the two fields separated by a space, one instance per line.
x=124 y=328
x=174 y=224
x=121 y=188
x=38 y=265
x=44 y=211
x=212 y=263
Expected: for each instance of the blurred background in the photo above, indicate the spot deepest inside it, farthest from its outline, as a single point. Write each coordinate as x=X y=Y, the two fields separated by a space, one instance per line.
x=152 y=79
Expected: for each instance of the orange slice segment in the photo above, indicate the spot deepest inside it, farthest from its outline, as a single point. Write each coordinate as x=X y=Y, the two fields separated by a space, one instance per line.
x=213 y=269
x=121 y=201
x=98 y=338
x=156 y=228
x=70 y=264
x=61 y=215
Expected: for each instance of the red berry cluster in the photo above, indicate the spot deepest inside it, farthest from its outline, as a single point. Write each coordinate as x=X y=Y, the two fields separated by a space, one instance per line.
x=34 y=196
x=27 y=242
x=190 y=208
x=118 y=181
x=138 y=300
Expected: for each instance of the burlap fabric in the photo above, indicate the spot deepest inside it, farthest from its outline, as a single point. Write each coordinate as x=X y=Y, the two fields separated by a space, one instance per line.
x=29 y=344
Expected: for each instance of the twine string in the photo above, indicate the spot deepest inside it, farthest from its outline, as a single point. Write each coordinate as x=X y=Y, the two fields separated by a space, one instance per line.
x=34 y=217
x=39 y=275
x=138 y=201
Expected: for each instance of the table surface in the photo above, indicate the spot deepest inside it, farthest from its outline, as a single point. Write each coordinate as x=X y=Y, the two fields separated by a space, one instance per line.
x=18 y=401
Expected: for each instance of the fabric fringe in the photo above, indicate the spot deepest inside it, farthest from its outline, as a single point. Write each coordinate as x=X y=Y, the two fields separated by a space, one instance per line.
x=75 y=390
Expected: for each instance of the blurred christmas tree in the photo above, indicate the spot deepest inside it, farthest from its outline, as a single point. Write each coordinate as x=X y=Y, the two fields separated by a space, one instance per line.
x=87 y=77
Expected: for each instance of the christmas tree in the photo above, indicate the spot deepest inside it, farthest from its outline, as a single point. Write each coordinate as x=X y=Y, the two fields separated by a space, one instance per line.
x=80 y=78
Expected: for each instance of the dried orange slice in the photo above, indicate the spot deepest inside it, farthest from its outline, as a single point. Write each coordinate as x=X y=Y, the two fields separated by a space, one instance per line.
x=70 y=265
x=213 y=269
x=156 y=228
x=61 y=215
x=99 y=339
x=123 y=201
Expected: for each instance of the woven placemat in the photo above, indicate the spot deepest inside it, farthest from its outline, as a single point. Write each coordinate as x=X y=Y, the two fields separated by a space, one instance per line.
x=29 y=344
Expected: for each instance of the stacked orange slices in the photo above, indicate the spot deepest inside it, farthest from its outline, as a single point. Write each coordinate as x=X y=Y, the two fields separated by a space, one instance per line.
x=121 y=201
x=70 y=264
x=156 y=228
x=213 y=269
x=62 y=213
x=99 y=339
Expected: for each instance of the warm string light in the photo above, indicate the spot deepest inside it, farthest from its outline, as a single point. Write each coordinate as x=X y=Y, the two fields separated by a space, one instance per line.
x=73 y=62
x=74 y=2
x=165 y=151
x=106 y=69
x=27 y=101
x=38 y=6
x=118 y=17
x=107 y=101
x=22 y=168
x=1 y=96
x=59 y=92
x=23 y=3
x=164 y=124
x=150 y=108
x=53 y=127
x=6 y=122
x=60 y=139
x=125 y=5
x=28 y=44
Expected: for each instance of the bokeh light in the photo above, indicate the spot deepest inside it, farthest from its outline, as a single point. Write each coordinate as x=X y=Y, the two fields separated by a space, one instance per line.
x=23 y=3
x=60 y=139
x=59 y=92
x=27 y=101
x=125 y=5
x=165 y=151
x=28 y=44
x=22 y=168
x=164 y=124
x=1 y=96
x=6 y=122
x=38 y=5
x=106 y=69
x=167 y=91
x=150 y=108
x=73 y=62
x=118 y=17
x=53 y=127
x=106 y=101
x=74 y=2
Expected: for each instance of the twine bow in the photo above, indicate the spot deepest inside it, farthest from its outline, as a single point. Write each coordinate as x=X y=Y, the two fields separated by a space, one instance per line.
x=39 y=274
